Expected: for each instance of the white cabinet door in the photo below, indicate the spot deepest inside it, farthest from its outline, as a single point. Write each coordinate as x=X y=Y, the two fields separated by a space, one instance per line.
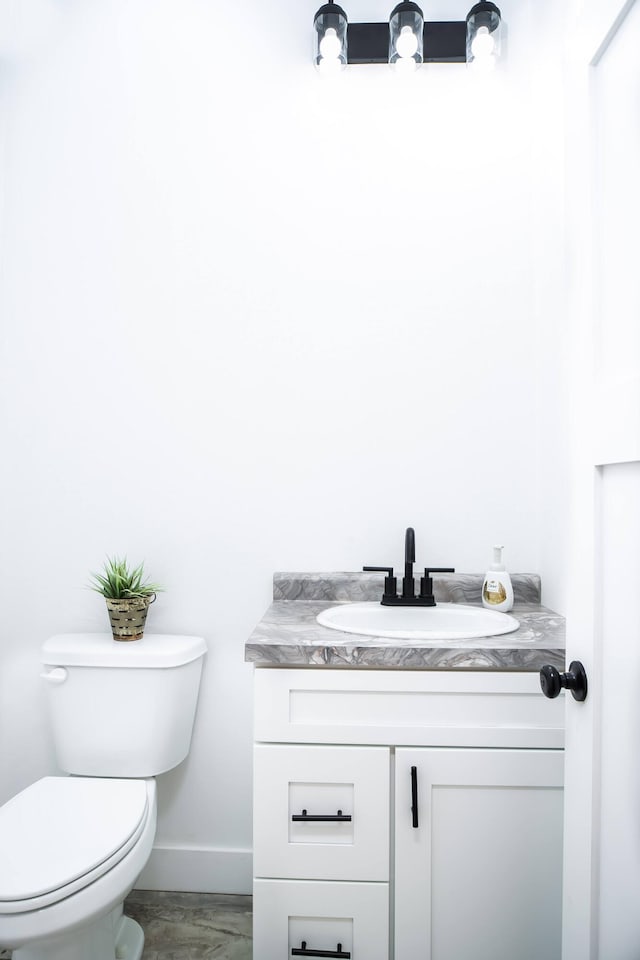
x=480 y=875
x=321 y=813
x=302 y=918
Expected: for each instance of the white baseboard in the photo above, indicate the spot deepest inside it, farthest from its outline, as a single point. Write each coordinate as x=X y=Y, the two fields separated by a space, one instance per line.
x=197 y=870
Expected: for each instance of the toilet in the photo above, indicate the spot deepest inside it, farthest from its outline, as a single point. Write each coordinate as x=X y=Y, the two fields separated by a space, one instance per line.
x=73 y=846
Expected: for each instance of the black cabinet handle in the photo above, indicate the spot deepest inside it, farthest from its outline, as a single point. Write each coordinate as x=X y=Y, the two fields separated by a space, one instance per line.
x=414 y=796
x=318 y=818
x=302 y=951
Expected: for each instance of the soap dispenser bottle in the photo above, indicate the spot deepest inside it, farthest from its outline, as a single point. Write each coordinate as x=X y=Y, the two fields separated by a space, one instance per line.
x=497 y=591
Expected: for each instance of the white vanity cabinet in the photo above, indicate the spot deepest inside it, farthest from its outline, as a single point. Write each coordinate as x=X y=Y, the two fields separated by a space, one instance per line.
x=406 y=815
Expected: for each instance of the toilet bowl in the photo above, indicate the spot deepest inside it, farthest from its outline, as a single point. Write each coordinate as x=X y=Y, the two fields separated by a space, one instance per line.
x=73 y=848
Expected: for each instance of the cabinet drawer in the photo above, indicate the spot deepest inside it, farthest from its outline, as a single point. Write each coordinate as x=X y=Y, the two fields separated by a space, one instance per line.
x=422 y=708
x=288 y=913
x=339 y=797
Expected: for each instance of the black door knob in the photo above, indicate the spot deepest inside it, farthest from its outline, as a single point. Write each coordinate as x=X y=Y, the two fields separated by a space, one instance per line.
x=575 y=680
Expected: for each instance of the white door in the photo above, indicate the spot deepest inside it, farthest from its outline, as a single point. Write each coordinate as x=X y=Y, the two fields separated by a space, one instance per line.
x=601 y=901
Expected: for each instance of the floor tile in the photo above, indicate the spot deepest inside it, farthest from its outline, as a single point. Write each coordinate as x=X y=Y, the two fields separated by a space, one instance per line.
x=192 y=926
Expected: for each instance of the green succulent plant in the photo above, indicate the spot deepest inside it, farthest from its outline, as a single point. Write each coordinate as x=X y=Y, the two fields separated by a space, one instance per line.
x=119 y=582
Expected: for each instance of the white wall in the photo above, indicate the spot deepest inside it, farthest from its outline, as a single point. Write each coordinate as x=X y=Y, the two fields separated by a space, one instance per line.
x=252 y=322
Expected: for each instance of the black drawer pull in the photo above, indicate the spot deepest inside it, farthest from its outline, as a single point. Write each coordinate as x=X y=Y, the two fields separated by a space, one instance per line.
x=317 y=818
x=302 y=951
x=414 y=796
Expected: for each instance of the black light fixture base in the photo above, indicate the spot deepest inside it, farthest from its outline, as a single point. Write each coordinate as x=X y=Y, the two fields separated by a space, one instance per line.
x=445 y=41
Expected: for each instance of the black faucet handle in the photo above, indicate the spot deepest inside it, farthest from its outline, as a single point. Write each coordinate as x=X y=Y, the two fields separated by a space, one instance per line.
x=390 y=582
x=426 y=583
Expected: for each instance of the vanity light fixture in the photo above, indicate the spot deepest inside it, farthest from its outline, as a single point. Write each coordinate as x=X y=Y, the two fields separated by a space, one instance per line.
x=330 y=38
x=483 y=35
x=406 y=40
x=406 y=29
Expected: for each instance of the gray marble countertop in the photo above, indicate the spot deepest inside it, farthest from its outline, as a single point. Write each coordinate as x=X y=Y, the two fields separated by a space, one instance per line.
x=289 y=636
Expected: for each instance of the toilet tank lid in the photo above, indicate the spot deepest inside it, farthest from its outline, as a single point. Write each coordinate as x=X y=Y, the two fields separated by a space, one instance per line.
x=154 y=650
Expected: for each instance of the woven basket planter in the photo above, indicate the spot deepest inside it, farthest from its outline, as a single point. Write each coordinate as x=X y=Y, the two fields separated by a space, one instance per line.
x=128 y=616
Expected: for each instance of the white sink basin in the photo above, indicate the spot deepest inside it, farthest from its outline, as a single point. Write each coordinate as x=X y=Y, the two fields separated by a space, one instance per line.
x=446 y=621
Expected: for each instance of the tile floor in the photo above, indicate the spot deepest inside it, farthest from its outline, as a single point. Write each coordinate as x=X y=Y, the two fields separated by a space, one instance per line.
x=190 y=926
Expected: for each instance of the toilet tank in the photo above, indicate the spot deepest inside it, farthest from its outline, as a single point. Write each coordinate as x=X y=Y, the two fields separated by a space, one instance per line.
x=118 y=708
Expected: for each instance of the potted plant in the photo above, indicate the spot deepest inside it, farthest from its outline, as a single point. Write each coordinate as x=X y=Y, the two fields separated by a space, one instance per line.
x=128 y=595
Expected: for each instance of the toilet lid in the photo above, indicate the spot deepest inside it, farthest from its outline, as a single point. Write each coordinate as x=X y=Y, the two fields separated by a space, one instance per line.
x=61 y=828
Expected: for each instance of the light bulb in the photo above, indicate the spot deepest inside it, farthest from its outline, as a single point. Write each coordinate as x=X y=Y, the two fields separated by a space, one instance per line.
x=405 y=65
x=407 y=43
x=483 y=44
x=329 y=66
x=330 y=46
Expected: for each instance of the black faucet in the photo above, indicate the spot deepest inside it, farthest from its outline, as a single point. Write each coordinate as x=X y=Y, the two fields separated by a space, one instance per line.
x=408 y=597
x=408 y=583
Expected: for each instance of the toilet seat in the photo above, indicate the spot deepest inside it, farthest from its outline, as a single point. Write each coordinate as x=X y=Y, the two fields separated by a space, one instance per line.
x=62 y=833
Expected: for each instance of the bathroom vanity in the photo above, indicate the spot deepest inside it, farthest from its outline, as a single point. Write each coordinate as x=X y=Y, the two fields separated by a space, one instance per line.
x=407 y=796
